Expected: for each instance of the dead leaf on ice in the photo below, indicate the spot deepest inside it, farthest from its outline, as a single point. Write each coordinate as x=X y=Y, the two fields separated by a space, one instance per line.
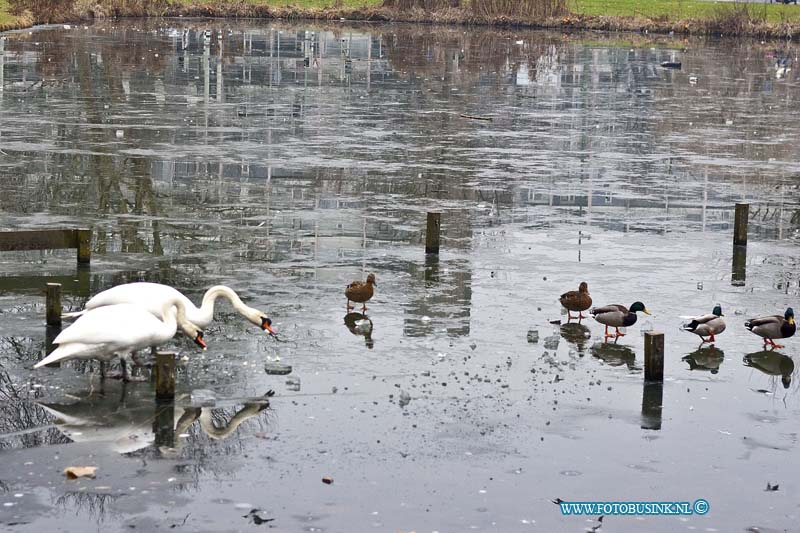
x=74 y=472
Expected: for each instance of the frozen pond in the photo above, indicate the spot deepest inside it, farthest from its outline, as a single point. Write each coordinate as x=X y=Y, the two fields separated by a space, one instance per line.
x=287 y=160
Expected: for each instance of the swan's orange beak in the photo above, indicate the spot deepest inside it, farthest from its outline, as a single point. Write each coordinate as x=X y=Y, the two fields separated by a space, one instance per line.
x=266 y=325
x=199 y=340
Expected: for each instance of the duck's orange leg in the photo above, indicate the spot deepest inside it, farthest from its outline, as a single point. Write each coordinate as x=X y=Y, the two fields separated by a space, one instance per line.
x=618 y=333
x=349 y=307
x=363 y=308
x=773 y=343
x=608 y=335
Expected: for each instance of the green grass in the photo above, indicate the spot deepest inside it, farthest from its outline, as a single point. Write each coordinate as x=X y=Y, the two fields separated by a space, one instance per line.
x=664 y=10
x=678 y=9
x=653 y=9
x=6 y=18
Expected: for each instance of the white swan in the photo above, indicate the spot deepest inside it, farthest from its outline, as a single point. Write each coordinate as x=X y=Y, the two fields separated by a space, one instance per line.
x=120 y=330
x=152 y=296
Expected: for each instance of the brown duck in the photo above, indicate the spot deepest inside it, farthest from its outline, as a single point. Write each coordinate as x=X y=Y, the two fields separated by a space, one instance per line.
x=360 y=292
x=577 y=300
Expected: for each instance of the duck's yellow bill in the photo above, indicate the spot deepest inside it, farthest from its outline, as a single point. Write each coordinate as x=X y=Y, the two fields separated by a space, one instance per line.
x=647 y=312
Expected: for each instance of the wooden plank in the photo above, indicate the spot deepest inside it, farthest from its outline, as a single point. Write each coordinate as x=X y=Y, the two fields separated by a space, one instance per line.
x=47 y=239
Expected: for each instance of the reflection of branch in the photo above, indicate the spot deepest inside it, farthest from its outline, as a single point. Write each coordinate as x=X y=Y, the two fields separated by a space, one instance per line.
x=91 y=502
x=18 y=414
x=23 y=347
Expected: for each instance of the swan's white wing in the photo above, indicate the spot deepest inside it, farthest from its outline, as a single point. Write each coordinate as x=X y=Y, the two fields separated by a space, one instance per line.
x=151 y=296
x=121 y=324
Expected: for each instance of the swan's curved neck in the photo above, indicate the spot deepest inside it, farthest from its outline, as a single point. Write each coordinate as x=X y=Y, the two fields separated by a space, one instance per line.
x=170 y=318
x=211 y=429
x=217 y=291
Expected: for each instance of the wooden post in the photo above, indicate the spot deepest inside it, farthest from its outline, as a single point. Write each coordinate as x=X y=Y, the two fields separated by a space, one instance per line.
x=740 y=224
x=50 y=334
x=654 y=356
x=165 y=375
x=652 y=405
x=431 y=268
x=83 y=239
x=164 y=424
x=82 y=282
x=54 y=304
x=739 y=265
x=432 y=233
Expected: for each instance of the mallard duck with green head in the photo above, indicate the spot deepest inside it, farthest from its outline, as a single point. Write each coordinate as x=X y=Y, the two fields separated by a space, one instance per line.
x=707 y=325
x=773 y=327
x=618 y=316
x=576 y=301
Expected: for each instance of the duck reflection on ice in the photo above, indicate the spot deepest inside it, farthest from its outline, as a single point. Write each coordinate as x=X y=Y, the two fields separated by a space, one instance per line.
x=360 y=324
x=772 y=363
x=708 y=358
x=614 y=354
x=576 y=334
x=125 y=424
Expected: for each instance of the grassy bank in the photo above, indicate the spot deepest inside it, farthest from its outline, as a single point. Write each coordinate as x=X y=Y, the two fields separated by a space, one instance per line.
x=685 y=17
x=677 y=10
x=9 y=21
